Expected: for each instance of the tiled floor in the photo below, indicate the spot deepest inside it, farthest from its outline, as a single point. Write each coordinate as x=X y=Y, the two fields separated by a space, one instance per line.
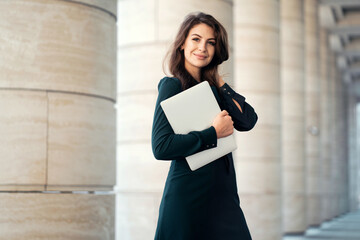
x=346 y=227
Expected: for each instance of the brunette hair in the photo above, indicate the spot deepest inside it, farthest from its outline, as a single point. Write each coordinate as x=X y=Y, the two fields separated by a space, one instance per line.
x=176 y=62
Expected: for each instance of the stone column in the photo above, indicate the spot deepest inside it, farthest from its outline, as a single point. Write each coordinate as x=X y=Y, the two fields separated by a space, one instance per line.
x=352 y=149
x=342 y=142
x=257 y=70
x=293 y=118
x=312 y=112
x=325 y=125
x=146 y=30
x=57 y=122
x=358 y=148
x=333 y=134
x=338 y=144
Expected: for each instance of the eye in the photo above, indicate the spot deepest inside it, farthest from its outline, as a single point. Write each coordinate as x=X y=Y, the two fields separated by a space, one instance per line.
x=212 y=43
x=196 y=39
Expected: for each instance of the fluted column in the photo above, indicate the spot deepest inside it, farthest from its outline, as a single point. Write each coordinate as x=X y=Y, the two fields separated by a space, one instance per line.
x=57 y=122
x=293 y=118
x=257 y=69
x=146 y=30
x=312 y=111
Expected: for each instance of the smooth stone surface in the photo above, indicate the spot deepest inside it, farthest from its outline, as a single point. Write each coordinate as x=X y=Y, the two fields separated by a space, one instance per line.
x=138 y=170
x=325 y=142
x=257 y=177
x=23 y=139
x=59 y=46
x=134 y=116
x=57 y=216
x=312 y=111
x=251 y=146
x=137 y=22
x=257 y=71
x=293 y=131
x=81 y=141
x=269 y=72
x=266 y=105
x=136 y=211
x=294 y=110
x=295 y=183
x=295 y=213
x=255 y=213
x=108 y=5
x=22 y=187
x=137 y=73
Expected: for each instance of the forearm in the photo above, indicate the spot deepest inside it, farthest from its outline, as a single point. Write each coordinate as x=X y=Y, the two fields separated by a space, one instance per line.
x=242 y=113
x=169 y=146
x=221 y=83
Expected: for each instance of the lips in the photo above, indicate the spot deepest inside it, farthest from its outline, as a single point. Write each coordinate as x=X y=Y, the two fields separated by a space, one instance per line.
x=201 y=57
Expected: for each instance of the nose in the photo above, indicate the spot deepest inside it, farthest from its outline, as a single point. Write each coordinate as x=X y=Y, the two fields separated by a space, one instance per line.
x=202 y=46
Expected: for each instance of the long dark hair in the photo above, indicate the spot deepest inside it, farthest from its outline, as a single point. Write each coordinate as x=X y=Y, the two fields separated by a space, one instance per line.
x=177 y=60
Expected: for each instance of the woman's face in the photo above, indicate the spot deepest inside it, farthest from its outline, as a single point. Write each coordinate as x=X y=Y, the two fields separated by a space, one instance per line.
x=199 y=47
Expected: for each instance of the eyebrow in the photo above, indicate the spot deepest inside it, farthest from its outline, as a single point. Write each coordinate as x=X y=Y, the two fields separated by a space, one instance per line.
x=201 y=36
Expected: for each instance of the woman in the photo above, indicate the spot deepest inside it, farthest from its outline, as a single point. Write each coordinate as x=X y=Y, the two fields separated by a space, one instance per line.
x=201 y=204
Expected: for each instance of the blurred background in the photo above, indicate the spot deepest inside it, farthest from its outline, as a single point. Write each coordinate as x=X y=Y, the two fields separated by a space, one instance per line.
x=78 y=86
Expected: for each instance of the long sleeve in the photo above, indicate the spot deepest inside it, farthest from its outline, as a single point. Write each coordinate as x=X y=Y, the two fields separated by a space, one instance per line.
x=166 y=145
x=243 y=121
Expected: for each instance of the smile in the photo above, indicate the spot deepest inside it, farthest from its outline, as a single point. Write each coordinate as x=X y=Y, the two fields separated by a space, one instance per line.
x=201 y=57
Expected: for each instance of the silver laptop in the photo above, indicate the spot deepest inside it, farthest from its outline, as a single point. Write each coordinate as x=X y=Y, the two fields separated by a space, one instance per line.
x=194 y=110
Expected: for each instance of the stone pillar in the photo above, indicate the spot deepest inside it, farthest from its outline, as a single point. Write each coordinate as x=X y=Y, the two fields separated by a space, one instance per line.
x=325 y=125
x=147 y=28
x=338 y=144
x=338 y=156
x=57 y=122
x=312 y=112
x=343 y=156
x=358 y=149
x=333 y=134
x=293 y=118
x=257 y=70
x=352 y=149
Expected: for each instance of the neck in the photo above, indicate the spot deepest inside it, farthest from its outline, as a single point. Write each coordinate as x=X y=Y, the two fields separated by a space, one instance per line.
x=193 y=71
x=196 y=75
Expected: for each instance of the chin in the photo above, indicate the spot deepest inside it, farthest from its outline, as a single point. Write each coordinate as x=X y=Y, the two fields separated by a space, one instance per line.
x=201 y=65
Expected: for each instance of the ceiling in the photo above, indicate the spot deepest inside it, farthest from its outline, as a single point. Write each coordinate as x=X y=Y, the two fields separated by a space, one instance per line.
x=342 y=19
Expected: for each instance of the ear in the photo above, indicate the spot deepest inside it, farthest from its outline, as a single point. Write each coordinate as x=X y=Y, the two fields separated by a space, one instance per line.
x=182 y=47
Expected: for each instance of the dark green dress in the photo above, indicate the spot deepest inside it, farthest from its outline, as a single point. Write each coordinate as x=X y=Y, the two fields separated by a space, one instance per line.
x=201 y=204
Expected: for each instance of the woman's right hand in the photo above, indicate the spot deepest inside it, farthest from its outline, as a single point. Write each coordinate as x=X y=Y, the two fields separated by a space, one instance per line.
x=223 y=124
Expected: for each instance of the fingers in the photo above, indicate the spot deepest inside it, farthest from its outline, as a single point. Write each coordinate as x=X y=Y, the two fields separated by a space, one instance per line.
x=226 y=115
x=224 y=112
